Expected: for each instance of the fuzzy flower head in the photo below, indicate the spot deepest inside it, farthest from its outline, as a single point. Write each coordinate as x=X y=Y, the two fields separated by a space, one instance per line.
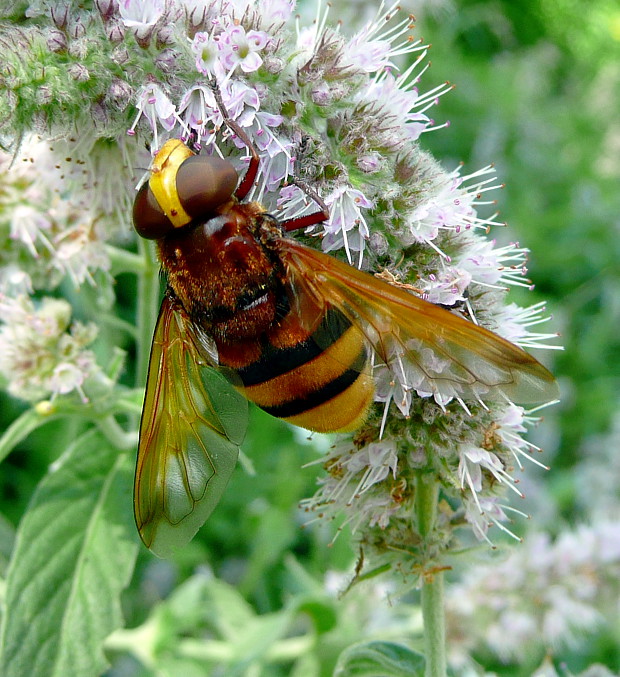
x=543 y=596
x=56 y=211
x=338 y=122
x=42 y=353
x=384 y=196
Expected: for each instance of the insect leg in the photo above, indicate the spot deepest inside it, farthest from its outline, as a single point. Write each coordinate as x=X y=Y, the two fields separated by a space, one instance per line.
x=250 y=176
x=307 y=219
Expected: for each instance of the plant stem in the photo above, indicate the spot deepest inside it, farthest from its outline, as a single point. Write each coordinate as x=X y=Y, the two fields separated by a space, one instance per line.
x=148 y=297
x=122 y=261
x=433 y=611
x=115 y=434
x=434 y=625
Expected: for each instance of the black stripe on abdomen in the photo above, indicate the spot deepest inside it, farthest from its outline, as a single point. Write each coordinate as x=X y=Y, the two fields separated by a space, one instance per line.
x=323 y=394
x=277 y=361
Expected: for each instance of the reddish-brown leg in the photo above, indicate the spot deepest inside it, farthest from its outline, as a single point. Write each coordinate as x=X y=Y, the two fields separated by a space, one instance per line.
x=307 y=219
x=250 y=176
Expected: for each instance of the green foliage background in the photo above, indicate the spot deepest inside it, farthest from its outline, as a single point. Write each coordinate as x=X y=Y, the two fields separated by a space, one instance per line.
x=537 y=92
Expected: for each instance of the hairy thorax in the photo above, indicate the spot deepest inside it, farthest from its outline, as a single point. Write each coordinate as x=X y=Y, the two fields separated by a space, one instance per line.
x=223 y=274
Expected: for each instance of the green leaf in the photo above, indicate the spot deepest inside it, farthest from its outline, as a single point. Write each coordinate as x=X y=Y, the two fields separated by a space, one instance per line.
x=379 y=659
x=21 y=427
x=275 y=532
x=73 y=556
x=257 y=638
x=321 y=612
x=208 y=622
x=7 y=539
x=307 y=665
x=205 y=599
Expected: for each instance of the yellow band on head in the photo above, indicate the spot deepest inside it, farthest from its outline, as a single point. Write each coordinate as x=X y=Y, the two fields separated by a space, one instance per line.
x=163 y=181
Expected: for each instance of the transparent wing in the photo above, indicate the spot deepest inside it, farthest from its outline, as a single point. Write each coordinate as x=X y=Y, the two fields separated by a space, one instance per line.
x=192 y=424
x=435 y=350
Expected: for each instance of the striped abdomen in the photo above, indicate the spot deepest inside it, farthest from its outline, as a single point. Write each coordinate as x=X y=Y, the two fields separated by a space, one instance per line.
x=319 y=381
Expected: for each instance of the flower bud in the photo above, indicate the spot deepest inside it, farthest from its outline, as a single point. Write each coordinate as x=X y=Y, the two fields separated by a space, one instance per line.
x=378 y=243
x=78 y=72
x=369 y=162
x=60 y=15
x=119 y=94
x=106 y=8
x=56 y=41
x=44 y=95
x=321 y=94
x=77 y=29
x=196 y=18
x=115 y=31
x=273 y=64
x=164 y=36
x=120 y=56
x=166 y=60
x=79 y=49
x=99 y=115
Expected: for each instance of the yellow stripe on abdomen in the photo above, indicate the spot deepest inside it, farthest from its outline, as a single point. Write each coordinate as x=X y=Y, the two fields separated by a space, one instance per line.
x=322 y=382
x=343 y=413
x=313 y=375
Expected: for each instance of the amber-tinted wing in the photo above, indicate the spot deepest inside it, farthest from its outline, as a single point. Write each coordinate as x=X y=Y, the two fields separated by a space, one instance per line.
x=193 y=422
x=438 y=351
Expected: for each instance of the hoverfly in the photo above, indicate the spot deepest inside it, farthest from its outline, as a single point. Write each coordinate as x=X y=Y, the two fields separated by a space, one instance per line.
x=292 y=328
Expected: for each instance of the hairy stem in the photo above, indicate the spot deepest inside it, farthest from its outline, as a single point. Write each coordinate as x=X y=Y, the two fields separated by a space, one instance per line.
x=433 y=611
x=148 y=299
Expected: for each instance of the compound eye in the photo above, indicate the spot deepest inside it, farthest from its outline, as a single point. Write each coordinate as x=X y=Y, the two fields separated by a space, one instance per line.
x=205 y=183
x=149 y=219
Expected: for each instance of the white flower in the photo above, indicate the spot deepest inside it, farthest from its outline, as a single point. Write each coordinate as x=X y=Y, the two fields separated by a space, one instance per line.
x=513 y=323
x=40 y=353
x=484 y=512
x=543 y=595
x=450 y=206
x=473 y=461
x=359 y=484
x=156 y=107
x=208 y=54
x=241 y=102
x=377 y=460
x=49 y=208
x=447 y=287
x=273 y=13
x=78 y=252
x=276 y=168
x=495 y=267
x=28 y=225
x=242 y=49
x=141 y=15
x=510 y=428
x=197 y=109
x=65 y=378
x=14 y=281
x=346 y=226
x=398 y=103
